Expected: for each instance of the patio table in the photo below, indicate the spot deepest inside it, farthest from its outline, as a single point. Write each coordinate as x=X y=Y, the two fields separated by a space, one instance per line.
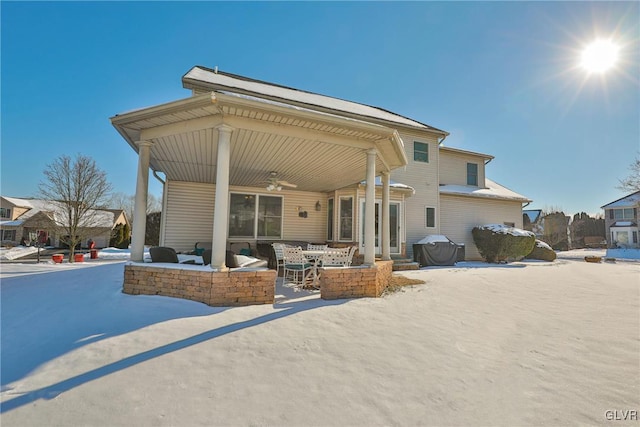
x=314 y=256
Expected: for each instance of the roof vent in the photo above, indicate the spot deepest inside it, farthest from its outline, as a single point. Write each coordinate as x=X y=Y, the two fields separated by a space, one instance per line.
x=215 y=69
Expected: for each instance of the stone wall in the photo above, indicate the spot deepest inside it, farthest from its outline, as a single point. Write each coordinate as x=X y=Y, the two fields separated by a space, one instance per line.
x=355 y=282
x=231 y=288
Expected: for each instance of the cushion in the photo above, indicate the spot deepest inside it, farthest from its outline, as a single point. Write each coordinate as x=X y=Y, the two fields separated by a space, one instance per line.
x=245 y=251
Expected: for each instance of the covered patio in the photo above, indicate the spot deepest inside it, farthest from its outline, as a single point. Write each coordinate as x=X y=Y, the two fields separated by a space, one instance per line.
x=228 y=142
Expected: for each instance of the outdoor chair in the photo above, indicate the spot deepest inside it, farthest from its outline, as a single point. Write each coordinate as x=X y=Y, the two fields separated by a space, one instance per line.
x=312 y=247
x=166 y=254
x=352 y=251
x=278 y=249
x=206 y=256
x=297 y=264
x=336 y=257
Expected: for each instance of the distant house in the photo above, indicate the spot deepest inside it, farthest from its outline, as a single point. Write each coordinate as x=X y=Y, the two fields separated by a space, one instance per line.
x=621 y=221
x=33 y=221
x=248 y=160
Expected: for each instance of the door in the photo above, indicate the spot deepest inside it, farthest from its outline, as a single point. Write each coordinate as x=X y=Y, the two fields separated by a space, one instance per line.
x=394 y=226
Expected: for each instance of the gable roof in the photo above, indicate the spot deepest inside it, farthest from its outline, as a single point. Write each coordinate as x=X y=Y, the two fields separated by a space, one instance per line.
x=101 y=217
x=627 y=201
x=203 y=78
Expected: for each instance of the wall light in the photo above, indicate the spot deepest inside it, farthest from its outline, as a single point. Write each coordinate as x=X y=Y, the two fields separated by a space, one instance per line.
x=318 y=207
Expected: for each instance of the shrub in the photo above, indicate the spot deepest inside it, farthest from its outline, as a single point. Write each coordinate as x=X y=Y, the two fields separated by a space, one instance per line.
x=542 y=251
x=499 y=243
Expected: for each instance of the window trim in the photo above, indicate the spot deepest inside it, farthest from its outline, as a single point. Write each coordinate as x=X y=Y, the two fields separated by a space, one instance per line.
x=5 y=213
x=474 y=175
x=416 y=151
x=331 y=206
x=426 y=217
x=340 y=237
x=255 y=216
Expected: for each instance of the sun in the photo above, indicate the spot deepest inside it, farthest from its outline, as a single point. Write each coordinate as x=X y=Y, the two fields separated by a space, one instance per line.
x=599 y=56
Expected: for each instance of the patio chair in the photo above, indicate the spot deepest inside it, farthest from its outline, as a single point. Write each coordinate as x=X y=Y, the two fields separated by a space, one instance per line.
x=297 y=264
x=278 y=249
x=313 y=247
x=352 y=251
x=336 y=257
x=163 y=254
x=206 y=256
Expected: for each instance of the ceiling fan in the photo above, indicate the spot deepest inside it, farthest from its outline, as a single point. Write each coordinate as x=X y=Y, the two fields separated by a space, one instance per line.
x=273 y=183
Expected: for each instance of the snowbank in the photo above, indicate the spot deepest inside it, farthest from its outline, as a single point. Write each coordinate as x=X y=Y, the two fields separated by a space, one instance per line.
x=17 y=252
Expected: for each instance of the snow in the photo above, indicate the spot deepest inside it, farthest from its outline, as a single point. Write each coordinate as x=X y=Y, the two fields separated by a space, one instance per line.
x=517 y=344
x=493 y=190
x=16 y=252
x=290 y=94
x=434 y=238
x=503 y=229
x=543 y=245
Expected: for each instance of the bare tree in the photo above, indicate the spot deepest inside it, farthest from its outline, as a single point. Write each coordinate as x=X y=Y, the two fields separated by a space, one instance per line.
x=126 y=202
x=631 y=183
x=76 y=189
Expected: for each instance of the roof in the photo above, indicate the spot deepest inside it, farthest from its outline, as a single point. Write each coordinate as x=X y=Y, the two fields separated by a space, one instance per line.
x=103 y=217
x=392 y=184
x=203 y=77
x=493 y=190
x=473 y=153
x=629 y=201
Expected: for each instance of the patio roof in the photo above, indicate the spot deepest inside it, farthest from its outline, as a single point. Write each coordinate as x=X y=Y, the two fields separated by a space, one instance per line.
x=317 y=150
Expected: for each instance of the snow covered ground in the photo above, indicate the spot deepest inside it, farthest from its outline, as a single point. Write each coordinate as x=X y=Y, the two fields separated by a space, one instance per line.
x=527 y=343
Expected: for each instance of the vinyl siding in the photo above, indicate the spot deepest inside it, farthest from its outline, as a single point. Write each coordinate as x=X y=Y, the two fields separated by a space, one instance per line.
x=423 y=177
x=458 y=216
x=189 y=214
x=453 y=168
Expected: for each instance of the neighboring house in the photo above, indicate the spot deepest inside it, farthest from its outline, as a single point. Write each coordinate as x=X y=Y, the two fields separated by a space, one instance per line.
x=533 y=221
x=252 y=140
x=621 y=221
x=33 y=220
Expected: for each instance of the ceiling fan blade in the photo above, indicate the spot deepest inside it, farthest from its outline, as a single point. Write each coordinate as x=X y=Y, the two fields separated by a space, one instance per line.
x=287 y=184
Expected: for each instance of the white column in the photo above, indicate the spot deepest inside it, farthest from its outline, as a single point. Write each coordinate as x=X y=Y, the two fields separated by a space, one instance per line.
x=386 y=230
x=221 y=210
x=369 y=210
x=139 y=226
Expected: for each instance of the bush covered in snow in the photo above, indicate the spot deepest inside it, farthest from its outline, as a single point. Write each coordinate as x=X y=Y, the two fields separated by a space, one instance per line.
x=542 y=251
x=500 y=243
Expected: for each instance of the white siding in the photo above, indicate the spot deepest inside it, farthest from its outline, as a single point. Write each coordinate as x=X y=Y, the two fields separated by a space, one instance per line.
x=423 y=177
x=453 y=168
x=188 y=214
x=458 y=216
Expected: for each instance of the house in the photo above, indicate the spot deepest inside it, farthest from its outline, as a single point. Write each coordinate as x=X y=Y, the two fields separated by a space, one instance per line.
x=248 y=160
x=621 y=221
x=33 y=221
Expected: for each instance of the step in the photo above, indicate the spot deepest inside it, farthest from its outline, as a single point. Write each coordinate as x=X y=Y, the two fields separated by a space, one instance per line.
x=404 y=266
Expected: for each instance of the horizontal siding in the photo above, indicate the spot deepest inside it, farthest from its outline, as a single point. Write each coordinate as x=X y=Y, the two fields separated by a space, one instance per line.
x=453 y=168
x=423 y=177
x=189 y=214
x=458 y=216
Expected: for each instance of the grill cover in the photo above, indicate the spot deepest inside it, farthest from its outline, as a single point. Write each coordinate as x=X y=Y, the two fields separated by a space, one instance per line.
x=435 y=250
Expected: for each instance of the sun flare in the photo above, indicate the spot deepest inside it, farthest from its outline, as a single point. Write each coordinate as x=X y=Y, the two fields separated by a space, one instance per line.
x=599 y=56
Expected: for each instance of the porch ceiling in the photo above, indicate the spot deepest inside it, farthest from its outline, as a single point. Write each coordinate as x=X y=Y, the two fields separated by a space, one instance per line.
x=316 y=151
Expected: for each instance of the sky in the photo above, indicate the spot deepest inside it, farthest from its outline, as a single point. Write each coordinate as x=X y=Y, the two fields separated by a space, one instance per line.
x=503 y=78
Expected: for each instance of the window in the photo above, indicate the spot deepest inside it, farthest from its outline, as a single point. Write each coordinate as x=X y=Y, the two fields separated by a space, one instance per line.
x=255 y=216
x=5 y=213
x=431 y=217
x=330 y=219
x=626 y=213
x=269 y=216
x=509 y=224
x=420 y=152
x=9 y=235
x=635 y=237
x=346 y=218
x=472 y=174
